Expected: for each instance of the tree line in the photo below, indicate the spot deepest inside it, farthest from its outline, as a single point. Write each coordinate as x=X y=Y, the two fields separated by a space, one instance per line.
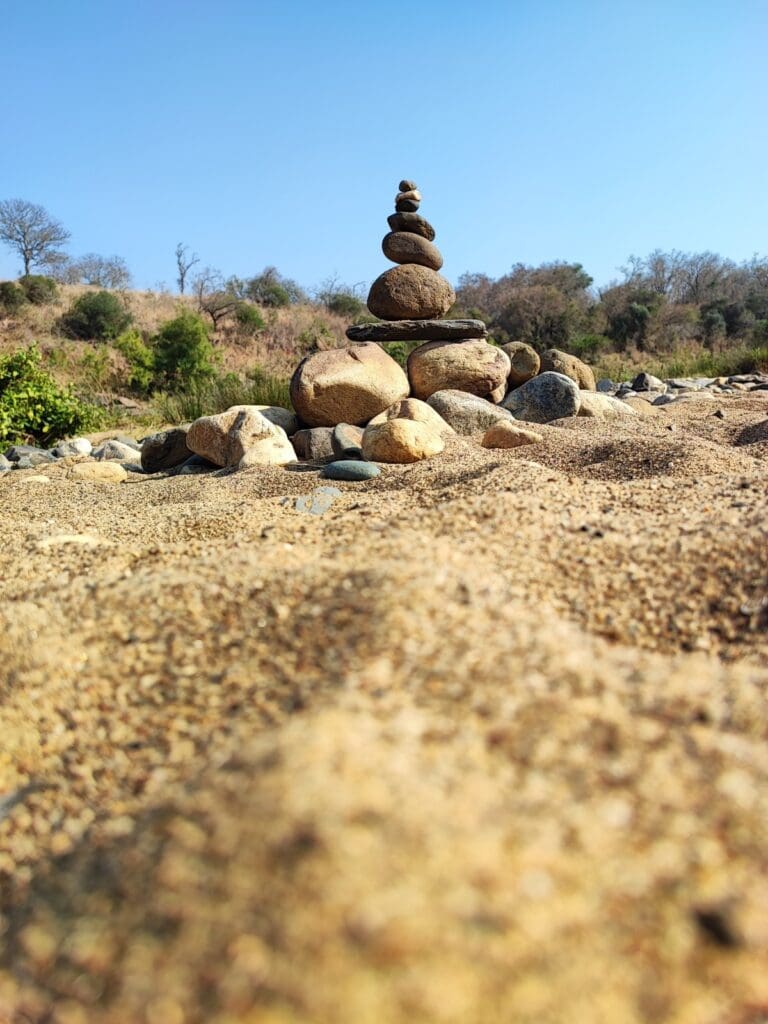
x=661 y=301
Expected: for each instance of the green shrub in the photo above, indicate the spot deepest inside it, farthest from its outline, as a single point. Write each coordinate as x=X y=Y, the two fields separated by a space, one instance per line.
x=400 y=350
x=34 y=407
x=316 y=337
x=587 y=346
x=39 y=289
x=345 y=304
x=141 y=361
x=249 y=319
x=12 y=298
x=215 y=395
x=183 y=352
x=98 y=316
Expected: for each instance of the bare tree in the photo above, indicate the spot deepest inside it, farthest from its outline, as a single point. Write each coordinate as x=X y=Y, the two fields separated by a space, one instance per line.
x=31 y=231
x=184 y=263
x=214 y=297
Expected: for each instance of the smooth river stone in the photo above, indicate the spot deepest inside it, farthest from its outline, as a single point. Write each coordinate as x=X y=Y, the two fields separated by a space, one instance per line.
x=406 y=206
x=410 y=292
x=350 y=469
x=412 y=222
x=406 y=185
x=405 y=247
x=418 y=330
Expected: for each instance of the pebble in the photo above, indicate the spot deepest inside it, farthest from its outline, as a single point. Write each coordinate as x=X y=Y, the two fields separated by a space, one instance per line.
x=406 y=206
x=5 y=464
x=350 y=469
x=406 y=185
x=117 y=451
x=314 y=444
x=413 y=222
x=99 y=472
x=75 y=446
x=508 y=434
x=318 y=501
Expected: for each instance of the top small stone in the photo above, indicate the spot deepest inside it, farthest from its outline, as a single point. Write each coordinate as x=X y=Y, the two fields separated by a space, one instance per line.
x=406 y=185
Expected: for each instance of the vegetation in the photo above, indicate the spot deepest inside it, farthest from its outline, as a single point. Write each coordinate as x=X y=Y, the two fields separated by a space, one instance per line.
x=98 y=316
x=184 y=357
x=33 y=407
x=12 y=297
x=141 y=361
x=38 y=289
x=30 y=231
x=210 y=396
x=102 y=271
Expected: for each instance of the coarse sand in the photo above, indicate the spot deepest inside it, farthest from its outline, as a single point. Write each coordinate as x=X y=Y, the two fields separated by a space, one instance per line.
x=485 y=742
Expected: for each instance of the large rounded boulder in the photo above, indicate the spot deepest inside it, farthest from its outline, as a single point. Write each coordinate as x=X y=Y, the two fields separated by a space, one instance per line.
x=467 y=414
x=549 y=396
x=225 y=439
x=414 y=409
x=473 y=366
x=346 y=385
x=410 y=292
x=555 y=361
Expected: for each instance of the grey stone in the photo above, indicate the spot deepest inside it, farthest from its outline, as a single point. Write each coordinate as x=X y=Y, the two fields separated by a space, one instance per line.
x=466 y=413
x=606 y=386
x=347 y=441
x=418 y=330
x=75 y=446
x=350 y=469
x=550 y=396
x=412 y=222
x=130 y=441
x=406 y=206
x=5 y=464
x=647 y=382
x=164 y=450
x=406 y=185
x=117 y=451
x=318 y=501
x=314 y=444
x=17 y=451
x=36 y=458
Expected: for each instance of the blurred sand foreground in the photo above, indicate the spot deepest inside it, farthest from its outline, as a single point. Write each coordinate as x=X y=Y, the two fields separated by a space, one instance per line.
x=483 y=743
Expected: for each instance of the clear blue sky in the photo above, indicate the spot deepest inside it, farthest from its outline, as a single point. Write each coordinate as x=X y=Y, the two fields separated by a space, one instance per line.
x=276 y=133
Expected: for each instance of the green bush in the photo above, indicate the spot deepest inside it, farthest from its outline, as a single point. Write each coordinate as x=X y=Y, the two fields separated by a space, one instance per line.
x=587 y=346
x=183 y=352
x=39 y=289
x=141 y=361
x=98 y=316
x=345 y=304
x=249 y=319
x=12 y=298
x=34 y=407
x=400 y=350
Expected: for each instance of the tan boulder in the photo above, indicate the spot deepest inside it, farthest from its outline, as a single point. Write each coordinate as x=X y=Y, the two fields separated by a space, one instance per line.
x=410 y=292
x=525 y=362
x=473 y=366
x=603 y=407
x=413 y=409
x=507 y=434
x=642 y=407
x=401 y=441
x=225 y=438
x=346 y=385
x=406 y=247
x=99 y=472
x=562 y=362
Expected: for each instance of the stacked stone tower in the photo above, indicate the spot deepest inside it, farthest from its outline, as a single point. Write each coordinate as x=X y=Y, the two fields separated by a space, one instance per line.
x=412 y=297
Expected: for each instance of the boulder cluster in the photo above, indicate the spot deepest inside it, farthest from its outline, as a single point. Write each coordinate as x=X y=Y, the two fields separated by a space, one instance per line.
x=356 y=407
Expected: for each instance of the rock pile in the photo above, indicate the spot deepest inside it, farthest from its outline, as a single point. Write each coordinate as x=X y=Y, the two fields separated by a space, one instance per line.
x=356 y=406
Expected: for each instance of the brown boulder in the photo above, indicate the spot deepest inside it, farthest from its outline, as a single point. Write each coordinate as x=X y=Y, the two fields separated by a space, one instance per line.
x=509 y=435
x=346 y=385
x=401 y=441
x=405 y=247
x=410 y=292
x=525 y=362
x=473 y=366
x=563 y=362
x=225 y=438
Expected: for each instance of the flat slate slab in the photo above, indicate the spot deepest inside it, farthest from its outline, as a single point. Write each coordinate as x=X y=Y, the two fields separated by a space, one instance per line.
x=418 y=330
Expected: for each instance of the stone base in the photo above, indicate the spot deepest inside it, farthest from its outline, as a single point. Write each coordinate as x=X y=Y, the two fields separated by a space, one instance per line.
x=418 y=330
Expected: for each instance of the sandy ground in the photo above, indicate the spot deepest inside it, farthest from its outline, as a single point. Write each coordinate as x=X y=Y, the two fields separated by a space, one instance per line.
x=484 y=743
